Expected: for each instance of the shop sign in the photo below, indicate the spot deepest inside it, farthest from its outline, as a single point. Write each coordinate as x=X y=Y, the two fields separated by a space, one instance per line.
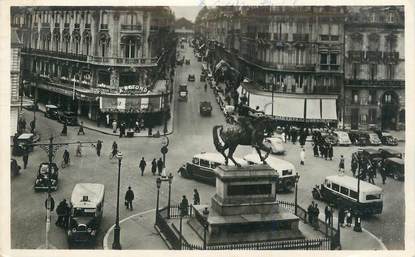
x=120 y=103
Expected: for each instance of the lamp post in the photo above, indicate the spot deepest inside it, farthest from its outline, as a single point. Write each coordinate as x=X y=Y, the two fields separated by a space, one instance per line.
x=116 y=244
x=170 y=177
x=297 y=177
x=272 y=99
x=158 y=183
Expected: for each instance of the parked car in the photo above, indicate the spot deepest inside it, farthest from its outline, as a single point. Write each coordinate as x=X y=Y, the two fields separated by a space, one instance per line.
x=205 y=108
x=330 y=138
x=87 y=207
x=374 y=139
x=187 y=61
x=191 y=77
x=359 y=138
x=70 y=118
x=386 y=138
x=183 y=92
x=51 y=111
x=276 y=144
x=202 y=167
x=23 y=143
x=44 y=177
x=373 y=155
x=395 y=167
x=343 y=138
x=285 y=170
x=388 y=153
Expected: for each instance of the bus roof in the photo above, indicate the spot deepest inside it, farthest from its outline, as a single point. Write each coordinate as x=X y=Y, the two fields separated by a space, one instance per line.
x=273 y=162
x=25 y=136
x=94 y=192
x=217 y=157
x=397 y=160
x=351 y=183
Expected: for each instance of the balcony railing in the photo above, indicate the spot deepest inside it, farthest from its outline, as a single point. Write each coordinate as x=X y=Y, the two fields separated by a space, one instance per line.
x=129 y=27
x=122 y=61
x=306 y=89
x=373 y=56
x=329 y=67
x=88 y=26
x=45 y=25
x=391 y=57
x=356 y=56
x=104 y=27
x=54 y=54
x=77 y=25
x=300 y=37
x=374 y=83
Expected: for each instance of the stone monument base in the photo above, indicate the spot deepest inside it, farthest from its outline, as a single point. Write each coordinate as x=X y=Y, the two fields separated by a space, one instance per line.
x=246 y=228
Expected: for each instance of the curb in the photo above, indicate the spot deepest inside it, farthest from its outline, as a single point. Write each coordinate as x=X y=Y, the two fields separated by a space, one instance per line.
x=105 y=240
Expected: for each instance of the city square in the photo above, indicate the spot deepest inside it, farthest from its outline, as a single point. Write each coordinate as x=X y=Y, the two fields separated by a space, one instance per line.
x=165 y=121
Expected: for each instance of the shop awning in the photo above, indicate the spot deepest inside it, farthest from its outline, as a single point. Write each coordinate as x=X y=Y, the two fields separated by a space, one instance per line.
x=313 y=110
x=289 y=108
x=328 y=109
x=14 y=113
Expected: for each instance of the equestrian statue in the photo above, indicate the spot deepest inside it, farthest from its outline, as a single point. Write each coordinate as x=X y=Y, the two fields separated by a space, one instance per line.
x=248 y=130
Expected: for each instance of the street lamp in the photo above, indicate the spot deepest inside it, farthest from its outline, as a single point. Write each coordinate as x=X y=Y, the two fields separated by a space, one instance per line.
x=158 y=183
x=170 y=177
x=116 y=244
x=297 y=177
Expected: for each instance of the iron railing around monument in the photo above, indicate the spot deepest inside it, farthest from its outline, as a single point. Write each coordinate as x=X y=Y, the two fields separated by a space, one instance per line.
x=172 y=234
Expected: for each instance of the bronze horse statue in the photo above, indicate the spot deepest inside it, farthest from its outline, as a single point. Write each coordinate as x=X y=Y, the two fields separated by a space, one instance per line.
x=247 y=131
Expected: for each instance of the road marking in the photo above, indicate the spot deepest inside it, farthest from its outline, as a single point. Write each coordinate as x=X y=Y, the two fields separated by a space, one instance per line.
x=104 y=243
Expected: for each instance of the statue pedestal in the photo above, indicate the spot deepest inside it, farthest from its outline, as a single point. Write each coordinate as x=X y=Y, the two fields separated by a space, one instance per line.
x=244 y=209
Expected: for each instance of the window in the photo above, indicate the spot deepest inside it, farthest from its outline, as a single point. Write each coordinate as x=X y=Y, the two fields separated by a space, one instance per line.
x=390 y=71
x=355 y=70
x=299 y=79
x=335 y=187
x=333 y=59
x=373 y=70
x=354 y=194
x=195 y=161
x=363 y=118
x=372 y=116
x=355 y=95
x=204 y=163
x=144 y=103
x=213 y=165
x=387 y=98
x=287 y=172
x=323 y=59
x=372 y=97
x=344 y=191
x=373 y=197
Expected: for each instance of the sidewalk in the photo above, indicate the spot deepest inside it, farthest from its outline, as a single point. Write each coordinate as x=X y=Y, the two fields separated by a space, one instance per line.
x=92 y=125
x=138 y=233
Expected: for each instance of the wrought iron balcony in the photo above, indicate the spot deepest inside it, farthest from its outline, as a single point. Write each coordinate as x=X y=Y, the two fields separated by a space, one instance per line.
x=373 y=56
x=45 y=25
x=391 y=57
x=88 y=26
x=329 y=67
x=300 y=37
x=123 y=61
x=374 y=83
x=356 y=56
x=129 y=27
x=54 y=54
x=104 y=27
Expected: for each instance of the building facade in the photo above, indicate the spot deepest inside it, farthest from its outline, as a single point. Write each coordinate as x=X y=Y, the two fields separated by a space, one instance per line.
x=15 y=77
x=374 y=86
x=98 y=61
x=293 y=53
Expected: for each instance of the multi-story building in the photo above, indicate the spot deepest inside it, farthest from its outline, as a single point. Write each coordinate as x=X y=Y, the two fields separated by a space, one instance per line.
x=103 y=62
x=374 y=86
x=292 y=56
x=184 y=28
x=15 y=101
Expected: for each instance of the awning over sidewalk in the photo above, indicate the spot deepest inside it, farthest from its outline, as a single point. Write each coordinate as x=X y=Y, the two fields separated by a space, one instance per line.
x=289 y=108
x=313 y=110
x=328 y=109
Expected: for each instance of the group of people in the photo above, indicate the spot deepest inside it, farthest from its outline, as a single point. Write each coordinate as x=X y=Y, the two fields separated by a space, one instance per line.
x=292 y=134
x=63 y=211
x=366 y=169
x=156 y=166
x=313 y=213
x=321 y=148
x=184 y=204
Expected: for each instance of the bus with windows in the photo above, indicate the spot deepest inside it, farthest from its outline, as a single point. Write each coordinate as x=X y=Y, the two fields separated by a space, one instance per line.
x=341 y=190
x=202 y=167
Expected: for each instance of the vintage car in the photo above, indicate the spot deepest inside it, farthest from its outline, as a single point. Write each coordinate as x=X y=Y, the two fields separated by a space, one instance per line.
x=359 y=138
x=275 y=144
x=191 y=78
x=47 y=178
x=87 y=205
x=24 y=143
x=386 y=138
x=366 y=199
x=343 y=138
x=205 y=108
x=70 y=118
x=284 y=169
x=180 y=61
x=374 y=139
x=202 y=167
x=330 y=138
x=187 y=61
x=51 y=111
x=373 y=155
x=388 y=153
x=395 y=167
x=183 y=93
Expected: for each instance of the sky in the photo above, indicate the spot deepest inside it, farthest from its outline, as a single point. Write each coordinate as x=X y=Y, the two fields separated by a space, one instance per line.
x=188 y=12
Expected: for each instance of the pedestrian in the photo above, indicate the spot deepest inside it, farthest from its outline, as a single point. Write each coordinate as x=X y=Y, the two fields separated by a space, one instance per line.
x=349 y=218
x=154 y=166
x=184 y=206
x=129 y=197
x=354 y=165
x=25 y=157
x=137 y=127
x=341 y=165
x=196 y=197
x=315 y=150
x=61 y=212
x=371 y=171
x=160 y=166
x=342 y=214
x=66 y=157
x=326 y=151
x=32 y=126
x=327 y=214
x=142 y=165
x=330 y=151
x=14 y=167
x=99 y=147
x=302 y=156
x=121 y=129
x=310 y=212
x=114 y=149
x=78 y=150
x=294 y=136
x=316 y=213
x=81 y=128
x=114 y=126
x=382 y=172
x=64 y=129
x=107 y=119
